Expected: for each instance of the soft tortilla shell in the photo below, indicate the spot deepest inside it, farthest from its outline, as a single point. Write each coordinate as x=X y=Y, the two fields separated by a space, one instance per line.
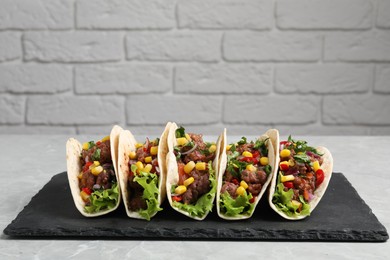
x=173 y=172
x=222 y=168
x=127 y=144
x=73 y=151
x=327 y=167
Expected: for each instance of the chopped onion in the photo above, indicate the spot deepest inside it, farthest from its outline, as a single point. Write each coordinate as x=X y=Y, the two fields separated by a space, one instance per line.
x=96 y=187
x=191 y=150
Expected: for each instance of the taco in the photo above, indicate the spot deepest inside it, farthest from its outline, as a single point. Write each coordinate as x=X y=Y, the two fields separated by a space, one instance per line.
x=246 y=169
x=303 y=176
x=92 y=174
x=142 y=174
x=192 y=172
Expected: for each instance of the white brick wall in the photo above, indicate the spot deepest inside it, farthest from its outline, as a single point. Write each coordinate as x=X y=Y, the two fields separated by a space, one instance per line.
x=303 y=66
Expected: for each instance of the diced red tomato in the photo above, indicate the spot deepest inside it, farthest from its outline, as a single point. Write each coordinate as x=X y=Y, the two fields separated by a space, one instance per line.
x=288 y=184
x=252 y=199
x=319 y=177
x=235 y=181
x=176 y=198
x=87 y=190
x=86 y=166
x=256 y=154
x=284 y=167
x=182 y=174
x=98 y=143
x=249 y=160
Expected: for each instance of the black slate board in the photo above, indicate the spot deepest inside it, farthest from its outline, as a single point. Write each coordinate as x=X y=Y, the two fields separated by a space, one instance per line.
x=341 y=216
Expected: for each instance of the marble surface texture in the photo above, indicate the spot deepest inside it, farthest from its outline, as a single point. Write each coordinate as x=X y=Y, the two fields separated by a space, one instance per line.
x=29 y=161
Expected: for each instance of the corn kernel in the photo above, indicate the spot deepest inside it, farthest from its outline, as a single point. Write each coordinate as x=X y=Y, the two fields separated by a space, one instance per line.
x=251 y=168
x=138 y=145
x=247 y=154
x=287 y=178
x=181 y=141
x=212 y=148
x=228 y=147
x=244 y=184
x=285 y=153
x=148 y=159
x=180 y=189
x=316 y=165
x=139 y=165
x=264 y=161
x=291 y=162
x=96 y=163
x=147 y=168
x=84 y=195
x=188 y=137
x=153 y=150
x=106 y=138
x=96 y=170
x=200 y=166
x=85 y=146
x=300 y=153
x=188 y=181
x=80 y=176
x=189 y=167
x=240 y=191
x=132 y=155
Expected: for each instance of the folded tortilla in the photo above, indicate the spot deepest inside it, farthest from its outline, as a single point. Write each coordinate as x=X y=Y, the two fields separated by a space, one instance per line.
x=173 y=179
x=326 y=166
x=269 y=139
x=74 y=167
x=127 y=144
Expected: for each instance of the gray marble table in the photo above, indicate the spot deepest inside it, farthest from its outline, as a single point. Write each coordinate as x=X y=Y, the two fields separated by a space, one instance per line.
x=29 y=161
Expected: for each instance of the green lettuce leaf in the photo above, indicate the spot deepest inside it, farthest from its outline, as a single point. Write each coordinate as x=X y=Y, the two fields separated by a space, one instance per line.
x=149 y=181
x=283 y=201
x=205 y=203
x=103 y=199
x=238 y=206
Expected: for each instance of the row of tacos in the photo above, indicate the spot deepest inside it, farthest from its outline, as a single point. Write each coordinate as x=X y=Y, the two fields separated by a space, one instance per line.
x=192 y=173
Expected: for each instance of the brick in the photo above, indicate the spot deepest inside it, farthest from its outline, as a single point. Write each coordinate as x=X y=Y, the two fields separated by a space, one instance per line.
x=76 y=46
x=358 y=46
x=232 y=78
x=382 y=78
x=182 y=109
x=125 y=79
x=222 y=14
x=321 y=130
x=271 y=46
x=290 y=109
x=383 y=130
x=12 y=109
x=38 y=14
x=71 y=110
x=10 y=46
x=324 y=78
x=26 y=78
x=356 y=109
x=174 y=46
x=318 y=14
x=383 y=17
x=126 y=14
x=37 y=130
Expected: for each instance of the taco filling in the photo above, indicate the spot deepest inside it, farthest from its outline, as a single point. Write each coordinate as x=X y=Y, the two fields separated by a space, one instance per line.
x=97 y=180
x=299 y=176
x=246 y=172
x=143 y=179
x=196 y=187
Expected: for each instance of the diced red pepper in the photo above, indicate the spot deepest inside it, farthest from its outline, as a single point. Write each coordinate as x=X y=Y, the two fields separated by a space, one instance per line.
x=86 y=166
x=235 y=181
x=252 y=199
x=288 y=184
x=319 y=177
x=87 y=190
x=177 y=198
x=284 y=167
